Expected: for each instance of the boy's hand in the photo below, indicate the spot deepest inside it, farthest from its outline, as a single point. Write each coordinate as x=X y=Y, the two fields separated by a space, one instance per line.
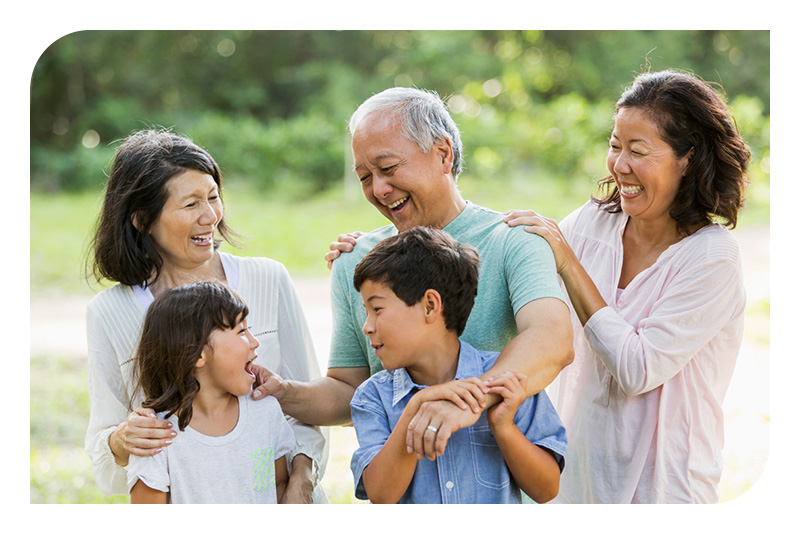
x=511 y=387
x=469 y=393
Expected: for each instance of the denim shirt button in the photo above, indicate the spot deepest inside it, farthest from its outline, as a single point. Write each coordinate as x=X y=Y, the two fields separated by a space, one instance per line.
x=449 y=485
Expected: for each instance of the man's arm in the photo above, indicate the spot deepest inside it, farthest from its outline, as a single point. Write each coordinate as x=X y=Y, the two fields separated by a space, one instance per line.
x=541 y=350
x=321 y=402
x=543 y=346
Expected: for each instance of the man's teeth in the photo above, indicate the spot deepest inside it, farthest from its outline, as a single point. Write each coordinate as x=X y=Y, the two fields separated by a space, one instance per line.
x=394 y=205
x=632 y=189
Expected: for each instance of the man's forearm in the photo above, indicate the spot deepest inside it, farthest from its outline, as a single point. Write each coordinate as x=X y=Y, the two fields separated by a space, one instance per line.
x=324 y=401
x=321 y=402
x=542 y=348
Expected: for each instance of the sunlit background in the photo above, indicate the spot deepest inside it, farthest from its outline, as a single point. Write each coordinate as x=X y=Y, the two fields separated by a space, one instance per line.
x=535 y=110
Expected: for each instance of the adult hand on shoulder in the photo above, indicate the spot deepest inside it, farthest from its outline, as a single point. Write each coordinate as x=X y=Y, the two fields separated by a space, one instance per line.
x=548 y=229
x=141 y=434
x=433 y=425
x=345 y=243
x=268 y=383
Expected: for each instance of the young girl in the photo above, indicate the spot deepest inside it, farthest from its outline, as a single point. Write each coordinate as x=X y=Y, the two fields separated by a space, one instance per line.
x=193 y=365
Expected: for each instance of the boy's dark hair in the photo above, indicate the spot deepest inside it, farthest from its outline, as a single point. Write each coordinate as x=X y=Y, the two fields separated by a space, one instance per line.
x=176 y=329
x=423 y=258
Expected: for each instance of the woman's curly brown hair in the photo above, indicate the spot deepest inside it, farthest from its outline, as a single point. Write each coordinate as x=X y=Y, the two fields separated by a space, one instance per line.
x=690 y=115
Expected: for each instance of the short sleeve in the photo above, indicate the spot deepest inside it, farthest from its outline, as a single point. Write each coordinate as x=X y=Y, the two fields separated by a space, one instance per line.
x=151 y=470
x=530 y=269
x=538 y=420
x=372 y=427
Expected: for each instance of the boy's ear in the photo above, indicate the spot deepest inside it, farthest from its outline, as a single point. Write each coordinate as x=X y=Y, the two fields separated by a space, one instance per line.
x=432 y=303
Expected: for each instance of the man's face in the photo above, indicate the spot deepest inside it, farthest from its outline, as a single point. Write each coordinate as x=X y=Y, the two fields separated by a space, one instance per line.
x=409 y=187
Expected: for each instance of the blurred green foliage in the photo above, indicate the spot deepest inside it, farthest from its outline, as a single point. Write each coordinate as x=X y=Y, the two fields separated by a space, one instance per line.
x=272 y=106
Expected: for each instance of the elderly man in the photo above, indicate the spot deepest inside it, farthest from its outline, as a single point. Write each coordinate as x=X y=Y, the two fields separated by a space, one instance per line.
x=407 y=154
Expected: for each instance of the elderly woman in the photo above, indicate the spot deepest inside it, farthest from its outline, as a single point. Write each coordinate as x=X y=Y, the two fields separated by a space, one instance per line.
x=157 y=230
x=656 y=287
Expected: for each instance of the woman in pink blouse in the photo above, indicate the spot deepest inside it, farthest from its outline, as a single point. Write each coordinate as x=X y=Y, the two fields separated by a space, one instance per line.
x=655 y=282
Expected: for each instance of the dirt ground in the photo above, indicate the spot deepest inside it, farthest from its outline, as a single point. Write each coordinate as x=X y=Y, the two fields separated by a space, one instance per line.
x=59 y=328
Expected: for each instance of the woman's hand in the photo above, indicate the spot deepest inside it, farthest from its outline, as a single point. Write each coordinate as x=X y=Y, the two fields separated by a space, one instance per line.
x=512 y=388
x=141 y=434
x=548 y=229
x=345 y=243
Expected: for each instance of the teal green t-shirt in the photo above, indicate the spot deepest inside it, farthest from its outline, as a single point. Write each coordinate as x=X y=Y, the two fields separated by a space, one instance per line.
x=516 y=267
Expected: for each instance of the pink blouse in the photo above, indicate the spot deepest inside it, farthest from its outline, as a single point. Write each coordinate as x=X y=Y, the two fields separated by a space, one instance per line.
x=642 y=402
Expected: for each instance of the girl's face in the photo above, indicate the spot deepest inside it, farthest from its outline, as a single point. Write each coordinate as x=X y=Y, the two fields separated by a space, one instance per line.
x=183 y=234
x=225 y=361
x=643 y=165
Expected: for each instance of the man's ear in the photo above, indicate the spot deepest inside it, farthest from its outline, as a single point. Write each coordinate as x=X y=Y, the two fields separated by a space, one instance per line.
x=444 y=149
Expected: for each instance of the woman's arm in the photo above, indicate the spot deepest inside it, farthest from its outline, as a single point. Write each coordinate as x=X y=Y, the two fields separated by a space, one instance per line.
x=113 y=433
x=141 y=493
x=583 y=293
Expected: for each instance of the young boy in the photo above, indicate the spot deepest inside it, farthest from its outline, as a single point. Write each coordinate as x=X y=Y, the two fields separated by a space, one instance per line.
x=418 y=289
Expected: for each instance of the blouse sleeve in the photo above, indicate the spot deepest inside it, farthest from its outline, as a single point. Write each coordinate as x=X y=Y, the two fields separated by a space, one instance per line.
x=693 y=308
x=108 y=404
x=299 y=362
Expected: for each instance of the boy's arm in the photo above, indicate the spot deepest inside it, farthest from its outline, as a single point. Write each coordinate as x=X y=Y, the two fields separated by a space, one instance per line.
x=389 y=474
x=281 y=479
x=141 y=493
x=534 y=469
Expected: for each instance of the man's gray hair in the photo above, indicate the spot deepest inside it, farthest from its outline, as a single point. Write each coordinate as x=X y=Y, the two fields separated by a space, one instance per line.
x=423 y=117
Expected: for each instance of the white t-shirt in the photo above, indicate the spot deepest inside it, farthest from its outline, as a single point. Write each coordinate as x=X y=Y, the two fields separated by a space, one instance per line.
x=237 y=468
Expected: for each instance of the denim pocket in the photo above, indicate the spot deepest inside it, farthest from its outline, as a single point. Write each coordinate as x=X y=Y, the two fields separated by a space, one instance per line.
x=487 y=460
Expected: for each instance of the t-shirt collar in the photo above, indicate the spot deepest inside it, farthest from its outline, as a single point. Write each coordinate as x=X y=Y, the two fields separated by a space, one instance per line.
x=468 y=366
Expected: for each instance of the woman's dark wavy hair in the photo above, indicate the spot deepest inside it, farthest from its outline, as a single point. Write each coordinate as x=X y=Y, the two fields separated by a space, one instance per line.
x=423 y=258
x=175 y=331
x=689 y=114
x=137 y=186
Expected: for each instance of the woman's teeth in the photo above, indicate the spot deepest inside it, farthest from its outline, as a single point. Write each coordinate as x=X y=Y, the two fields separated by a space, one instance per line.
x=201 y=238
x=632 y=189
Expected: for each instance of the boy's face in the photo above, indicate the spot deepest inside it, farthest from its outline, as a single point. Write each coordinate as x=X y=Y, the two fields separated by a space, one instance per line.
x=395 y=330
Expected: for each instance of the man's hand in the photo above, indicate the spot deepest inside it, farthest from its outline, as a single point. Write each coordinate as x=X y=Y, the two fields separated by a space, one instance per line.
x=268 y=383
x=433 y=425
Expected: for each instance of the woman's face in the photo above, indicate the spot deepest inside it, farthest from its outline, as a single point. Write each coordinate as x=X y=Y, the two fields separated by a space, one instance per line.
x=643 y=165
x=183 y=234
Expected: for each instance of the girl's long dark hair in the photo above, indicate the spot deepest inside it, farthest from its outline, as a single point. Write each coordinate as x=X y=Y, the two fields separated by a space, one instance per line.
x=175 y=331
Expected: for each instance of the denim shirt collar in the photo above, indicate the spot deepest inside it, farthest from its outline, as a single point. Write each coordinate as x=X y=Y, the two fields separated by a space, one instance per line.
x=468 y=366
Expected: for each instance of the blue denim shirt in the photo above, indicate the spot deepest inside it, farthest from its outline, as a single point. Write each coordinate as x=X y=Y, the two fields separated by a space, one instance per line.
x=472 y=469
